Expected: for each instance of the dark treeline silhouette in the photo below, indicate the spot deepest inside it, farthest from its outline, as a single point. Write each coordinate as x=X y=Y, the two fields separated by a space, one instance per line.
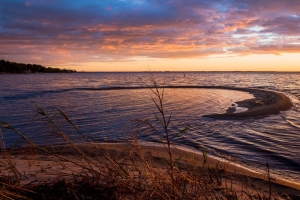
x=12 y=67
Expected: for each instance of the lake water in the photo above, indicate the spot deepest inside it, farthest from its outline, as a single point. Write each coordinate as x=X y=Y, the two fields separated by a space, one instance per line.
x=105 y=109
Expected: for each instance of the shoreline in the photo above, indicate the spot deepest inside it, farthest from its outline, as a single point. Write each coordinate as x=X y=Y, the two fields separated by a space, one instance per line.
x=185 y=153
x=41 y=166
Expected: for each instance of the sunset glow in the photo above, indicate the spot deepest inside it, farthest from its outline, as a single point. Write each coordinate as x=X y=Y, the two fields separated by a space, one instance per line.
x=180 y=35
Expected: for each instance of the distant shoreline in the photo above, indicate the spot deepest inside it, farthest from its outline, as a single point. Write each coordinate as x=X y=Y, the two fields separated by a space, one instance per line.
x=7 y=67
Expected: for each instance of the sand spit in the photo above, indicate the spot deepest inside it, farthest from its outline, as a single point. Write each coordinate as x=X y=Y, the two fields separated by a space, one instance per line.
x=263 y=104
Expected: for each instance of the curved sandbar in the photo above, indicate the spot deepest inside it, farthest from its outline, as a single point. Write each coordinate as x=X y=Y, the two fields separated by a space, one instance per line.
x=264 y=103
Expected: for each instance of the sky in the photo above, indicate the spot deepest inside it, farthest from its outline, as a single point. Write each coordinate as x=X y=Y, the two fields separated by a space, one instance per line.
x=167 y=35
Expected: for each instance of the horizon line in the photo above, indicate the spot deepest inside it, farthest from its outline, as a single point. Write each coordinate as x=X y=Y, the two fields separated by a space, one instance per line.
x=167 y=71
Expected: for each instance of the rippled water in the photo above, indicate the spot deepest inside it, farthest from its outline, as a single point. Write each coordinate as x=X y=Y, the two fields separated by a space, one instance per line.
x=112 y=114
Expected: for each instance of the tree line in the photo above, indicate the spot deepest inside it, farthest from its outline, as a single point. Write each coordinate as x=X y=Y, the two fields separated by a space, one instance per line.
x=7 y=67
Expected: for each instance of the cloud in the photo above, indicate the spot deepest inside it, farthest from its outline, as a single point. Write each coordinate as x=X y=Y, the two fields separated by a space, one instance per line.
x=28 y=3
x=64 y=31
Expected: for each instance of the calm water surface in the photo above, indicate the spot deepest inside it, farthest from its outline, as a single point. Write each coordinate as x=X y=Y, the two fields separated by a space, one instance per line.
x=114 y=115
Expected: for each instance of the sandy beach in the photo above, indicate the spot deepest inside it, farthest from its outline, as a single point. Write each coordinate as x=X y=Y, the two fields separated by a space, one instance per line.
x=48 y=164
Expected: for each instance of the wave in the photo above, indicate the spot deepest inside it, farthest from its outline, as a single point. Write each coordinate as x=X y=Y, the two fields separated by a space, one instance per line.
x=29 y=95
x=39 y=93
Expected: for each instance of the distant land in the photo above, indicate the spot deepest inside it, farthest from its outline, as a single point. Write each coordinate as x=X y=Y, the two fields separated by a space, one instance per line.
x=7 y=67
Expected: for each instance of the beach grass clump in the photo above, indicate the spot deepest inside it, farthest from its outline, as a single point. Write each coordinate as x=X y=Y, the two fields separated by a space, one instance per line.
x=92 y=170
